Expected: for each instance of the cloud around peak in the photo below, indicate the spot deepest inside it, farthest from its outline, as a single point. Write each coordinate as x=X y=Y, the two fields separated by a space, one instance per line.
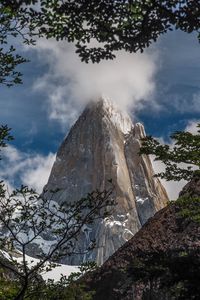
x=129 y=80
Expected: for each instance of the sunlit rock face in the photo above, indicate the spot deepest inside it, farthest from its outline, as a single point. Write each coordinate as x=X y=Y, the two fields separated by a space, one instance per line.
x=104 y=144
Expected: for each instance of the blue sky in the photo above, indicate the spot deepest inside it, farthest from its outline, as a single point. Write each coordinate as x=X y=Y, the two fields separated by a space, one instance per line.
x=160 y=88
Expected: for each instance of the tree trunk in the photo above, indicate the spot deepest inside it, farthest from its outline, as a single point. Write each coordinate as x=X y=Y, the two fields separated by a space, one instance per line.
x=21 y=294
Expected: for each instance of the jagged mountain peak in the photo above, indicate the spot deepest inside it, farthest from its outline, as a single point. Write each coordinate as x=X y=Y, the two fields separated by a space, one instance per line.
x=103 y=144
x=139 y=131
x=107 y=111
x=111 y=112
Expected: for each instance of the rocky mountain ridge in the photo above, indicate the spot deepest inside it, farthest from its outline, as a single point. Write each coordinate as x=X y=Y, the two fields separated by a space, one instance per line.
x=103 y=144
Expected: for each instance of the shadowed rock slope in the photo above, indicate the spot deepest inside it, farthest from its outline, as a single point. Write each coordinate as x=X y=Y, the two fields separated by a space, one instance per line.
x=162 y=261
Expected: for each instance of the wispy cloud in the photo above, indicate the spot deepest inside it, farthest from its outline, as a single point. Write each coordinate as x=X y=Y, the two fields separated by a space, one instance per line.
x=189 y=104
x=24 y=168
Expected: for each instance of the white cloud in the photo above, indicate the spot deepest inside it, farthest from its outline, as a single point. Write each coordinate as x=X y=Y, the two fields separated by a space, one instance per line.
x=24 y=168
x=195 y=102
x=183 y=105
x=38 y=171
x=129 y=80
x=173 y=188
x=192 y=126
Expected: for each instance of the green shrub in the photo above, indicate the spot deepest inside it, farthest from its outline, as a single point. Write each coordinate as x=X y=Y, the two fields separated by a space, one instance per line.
x=189 y=208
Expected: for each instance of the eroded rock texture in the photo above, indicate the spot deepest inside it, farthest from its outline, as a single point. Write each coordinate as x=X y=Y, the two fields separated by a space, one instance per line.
x=161 y=262
x=104 y=144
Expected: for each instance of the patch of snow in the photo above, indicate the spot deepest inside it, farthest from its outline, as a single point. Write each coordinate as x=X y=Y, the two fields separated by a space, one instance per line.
x=141 y=200
x=122 y=221
x=139 y=131
x=5 y=254
x=127 y=231
x=111 y=223
x=121 y=217
x=60 y=270
x=55 y=273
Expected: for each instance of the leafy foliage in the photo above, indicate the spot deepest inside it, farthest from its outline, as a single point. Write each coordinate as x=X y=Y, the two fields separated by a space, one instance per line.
x=97 y=28
x=174 y=274
x=182 y=160
x=4 y=136
x=13 y=24
x=8 y=288
x=64 y=289
x=70 y=288
x=131 y=25
x=26 y=217
x=189 y=208
x=8 y=62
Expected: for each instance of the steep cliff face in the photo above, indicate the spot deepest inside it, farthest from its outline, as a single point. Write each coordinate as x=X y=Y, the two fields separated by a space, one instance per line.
x=104 y=144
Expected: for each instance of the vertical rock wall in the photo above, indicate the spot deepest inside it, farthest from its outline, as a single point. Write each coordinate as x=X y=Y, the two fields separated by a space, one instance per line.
x=104 y=144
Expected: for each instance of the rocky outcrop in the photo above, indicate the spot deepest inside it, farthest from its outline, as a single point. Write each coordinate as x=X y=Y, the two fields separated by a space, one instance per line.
x=192 y=188
x=161 y=262
x=102 y=145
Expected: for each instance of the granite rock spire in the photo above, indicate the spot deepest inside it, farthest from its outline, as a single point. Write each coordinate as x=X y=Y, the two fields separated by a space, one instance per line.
x=103 y=144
